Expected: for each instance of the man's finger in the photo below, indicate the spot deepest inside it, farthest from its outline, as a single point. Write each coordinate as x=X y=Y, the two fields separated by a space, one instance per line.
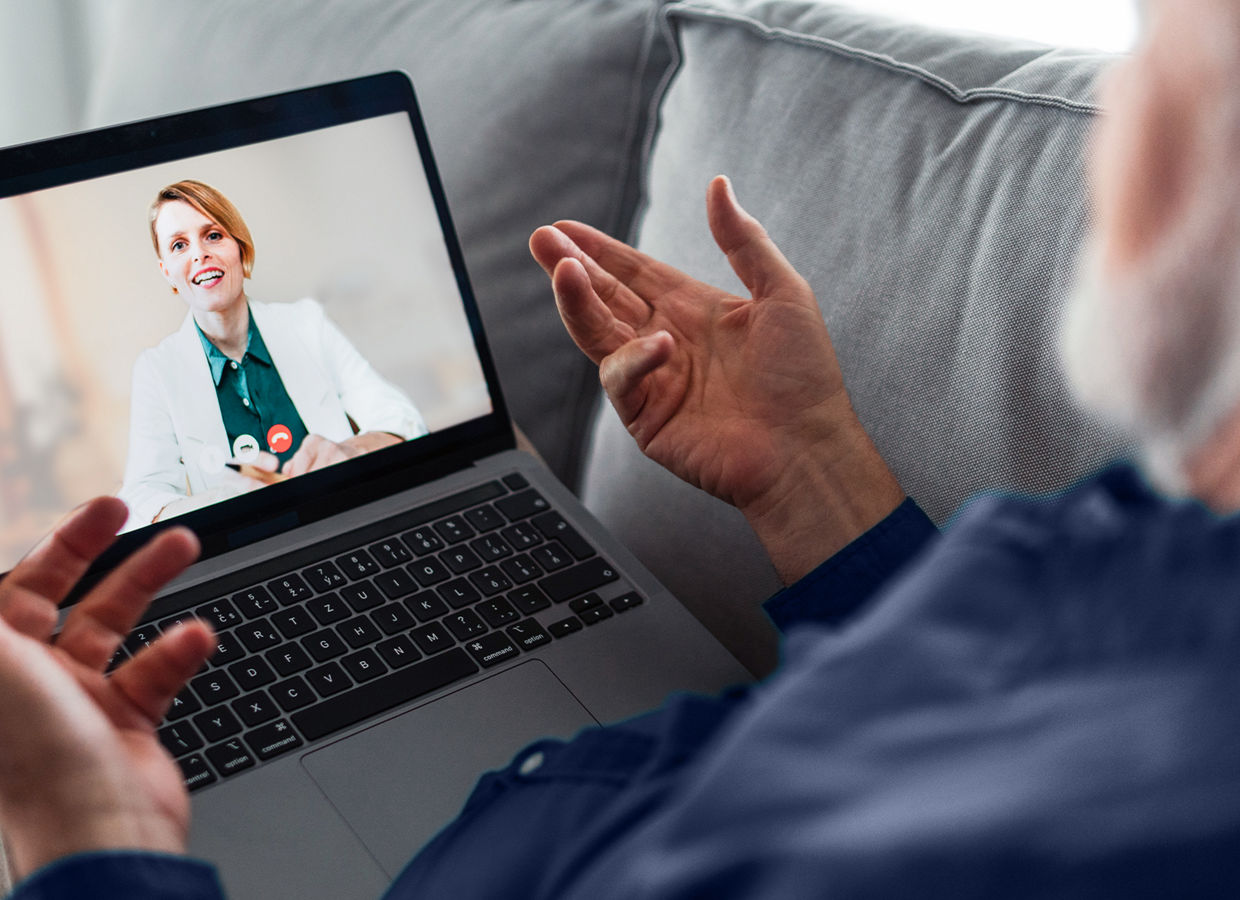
x=646 y=277
x=590 y=323
x=101 y=620
x=755 y=259
x=62 y=558
x=622 y=372
x=157 y=673
x=550 y=245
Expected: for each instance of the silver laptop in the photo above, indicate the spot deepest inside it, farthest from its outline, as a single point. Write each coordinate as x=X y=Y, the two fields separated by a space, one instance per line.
x=391 y=625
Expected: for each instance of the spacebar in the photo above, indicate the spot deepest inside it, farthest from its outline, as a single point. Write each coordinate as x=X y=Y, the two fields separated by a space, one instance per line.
x=374 y=697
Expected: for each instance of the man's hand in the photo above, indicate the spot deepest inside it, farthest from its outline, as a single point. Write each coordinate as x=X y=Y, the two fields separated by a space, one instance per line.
x=740 y=396
x=81 y=767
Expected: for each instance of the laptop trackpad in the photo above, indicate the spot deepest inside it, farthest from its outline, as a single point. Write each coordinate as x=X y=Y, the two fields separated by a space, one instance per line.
x=398 y=783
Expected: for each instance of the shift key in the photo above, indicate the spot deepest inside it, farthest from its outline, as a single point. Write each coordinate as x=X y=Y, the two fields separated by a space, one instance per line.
x=578 y=580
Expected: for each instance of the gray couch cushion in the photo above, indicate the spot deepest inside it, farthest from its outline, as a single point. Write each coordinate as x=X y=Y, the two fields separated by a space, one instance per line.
x=535 y=109
x=929 y=186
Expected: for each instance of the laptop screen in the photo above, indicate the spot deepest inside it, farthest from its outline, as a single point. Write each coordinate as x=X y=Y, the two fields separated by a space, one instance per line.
x=242 y=318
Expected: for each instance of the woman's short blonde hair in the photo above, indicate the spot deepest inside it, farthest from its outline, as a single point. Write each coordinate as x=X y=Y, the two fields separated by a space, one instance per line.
x=212 y=204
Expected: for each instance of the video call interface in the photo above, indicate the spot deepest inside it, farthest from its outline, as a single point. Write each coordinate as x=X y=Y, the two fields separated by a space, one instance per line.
x=183 y=334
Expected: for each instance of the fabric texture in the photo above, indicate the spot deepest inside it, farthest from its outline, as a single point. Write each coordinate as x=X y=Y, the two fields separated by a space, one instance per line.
x=535 y=109
x=929 y=186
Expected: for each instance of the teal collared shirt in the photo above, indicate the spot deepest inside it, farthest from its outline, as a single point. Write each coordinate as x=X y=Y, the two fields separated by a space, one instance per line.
x=252 y=397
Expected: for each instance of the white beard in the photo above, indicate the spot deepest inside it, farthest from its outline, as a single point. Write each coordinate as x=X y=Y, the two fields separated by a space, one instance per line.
x=1156 y=351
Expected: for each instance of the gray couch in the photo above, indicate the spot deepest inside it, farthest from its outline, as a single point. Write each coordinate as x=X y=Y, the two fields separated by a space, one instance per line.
x=928 y=185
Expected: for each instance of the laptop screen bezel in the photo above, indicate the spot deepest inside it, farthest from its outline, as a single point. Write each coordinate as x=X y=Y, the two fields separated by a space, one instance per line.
x=243 y=520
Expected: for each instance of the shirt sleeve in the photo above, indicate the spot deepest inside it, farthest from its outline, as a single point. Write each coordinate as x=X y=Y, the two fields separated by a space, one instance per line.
x=122 y=875
x=842 y=585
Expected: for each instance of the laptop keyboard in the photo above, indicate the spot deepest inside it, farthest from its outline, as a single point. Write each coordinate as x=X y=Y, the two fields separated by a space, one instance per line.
x=424 y=599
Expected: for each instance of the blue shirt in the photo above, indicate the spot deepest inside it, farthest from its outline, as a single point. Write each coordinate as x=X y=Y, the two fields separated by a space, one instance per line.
x=1042 y=703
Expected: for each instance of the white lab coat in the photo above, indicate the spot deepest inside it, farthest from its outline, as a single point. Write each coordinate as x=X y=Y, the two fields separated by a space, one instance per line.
x=175 y=415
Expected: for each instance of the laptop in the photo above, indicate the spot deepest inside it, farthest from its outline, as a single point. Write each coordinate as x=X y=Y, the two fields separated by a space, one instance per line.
x=392 y=622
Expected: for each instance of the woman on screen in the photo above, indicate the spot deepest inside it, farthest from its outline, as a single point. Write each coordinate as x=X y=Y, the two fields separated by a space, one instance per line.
x=276 y=387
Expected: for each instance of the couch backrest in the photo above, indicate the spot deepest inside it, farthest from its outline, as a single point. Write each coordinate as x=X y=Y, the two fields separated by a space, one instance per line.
x=929 y=186
x=536 y=109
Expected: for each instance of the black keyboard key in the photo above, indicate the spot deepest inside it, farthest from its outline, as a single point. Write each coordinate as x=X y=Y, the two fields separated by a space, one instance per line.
x=460 y=559
x=179 y=738
x=393 y=618
x=459 y=592
x=579 y=579
x=227 y=649
x=515 y=481
x=490 y=548
x=289 y=659
x=255 y=709
x=220 y=614
x=359 y=631
x=328 y=609
x=173 y=621
x=270 y=740
x=118 y=657
x=398 y=651
x=324 y=577
x=522 y=536
x=293 y=622
x=565 y=627
x=484 y=518
x=581 y=604
x=553 y=525
x=426 y=606
x=596 y=615
x=431 y=638
x=328 y=680
x=363 y=665
x=454 y=529
x=384 y=693
x=465 y=624
x=429 y=571
x=490 y=581
x=292 y=694
x=217 y=724
x=520 y=569
x=492 y=649
x=358 y=564
x=195 y=772
x=528 y=599
x=528 y=634
x=324 y=645
x=551 y=556
x=625 y=602
x=390 y=553
x=259 y=635
x=522 y=505
x=183 y=704
x=497 y=612
x=396 y=583
x=363 y=596
x=251 y=673
x=290 y=589
x=140 y=638
x=214 y=687
x=254 y=603
x=230 y=757
x=422 y=540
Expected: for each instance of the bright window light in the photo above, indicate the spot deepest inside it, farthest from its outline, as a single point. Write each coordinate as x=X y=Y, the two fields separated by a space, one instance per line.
x=1109 y=25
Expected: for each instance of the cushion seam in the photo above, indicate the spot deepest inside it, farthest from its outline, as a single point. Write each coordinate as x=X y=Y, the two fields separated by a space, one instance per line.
x=775 y=33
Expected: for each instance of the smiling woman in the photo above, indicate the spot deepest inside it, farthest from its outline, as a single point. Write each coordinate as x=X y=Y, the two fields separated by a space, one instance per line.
x=243 y=393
